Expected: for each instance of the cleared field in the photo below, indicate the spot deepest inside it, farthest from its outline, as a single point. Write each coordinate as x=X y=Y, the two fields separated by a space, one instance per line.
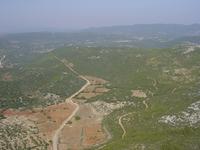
x=47 y=120
x=84 y=132
x=97 y=87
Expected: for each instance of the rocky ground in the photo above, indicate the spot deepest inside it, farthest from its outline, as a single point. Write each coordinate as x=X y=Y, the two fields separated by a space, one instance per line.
x=190 y=116
x=20 y=133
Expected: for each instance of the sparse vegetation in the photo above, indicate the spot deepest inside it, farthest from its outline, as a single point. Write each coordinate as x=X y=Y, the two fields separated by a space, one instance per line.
x=69 y=122
x=77 y=118
x=20 y=134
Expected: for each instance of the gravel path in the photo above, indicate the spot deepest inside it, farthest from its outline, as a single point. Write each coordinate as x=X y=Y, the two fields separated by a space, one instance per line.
x=68 y=100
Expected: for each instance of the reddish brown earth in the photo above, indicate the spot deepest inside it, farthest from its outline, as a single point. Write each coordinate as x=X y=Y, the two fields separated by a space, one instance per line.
x=84 y=133
x=47 y=119
x=93 y=134
x=7 y=77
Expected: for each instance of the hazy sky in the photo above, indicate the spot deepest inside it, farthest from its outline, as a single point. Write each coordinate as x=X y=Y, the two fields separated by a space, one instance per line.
x=38 y=15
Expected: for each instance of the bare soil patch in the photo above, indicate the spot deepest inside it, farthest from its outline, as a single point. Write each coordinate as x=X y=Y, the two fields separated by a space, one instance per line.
x=46 y=119
x=153 y=61
x=139 y=94
x=84 y=133
x=7 y=77
x=182 y=75
x=93 y=135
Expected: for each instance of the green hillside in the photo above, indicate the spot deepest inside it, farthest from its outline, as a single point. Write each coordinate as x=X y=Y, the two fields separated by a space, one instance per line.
x=171 y=80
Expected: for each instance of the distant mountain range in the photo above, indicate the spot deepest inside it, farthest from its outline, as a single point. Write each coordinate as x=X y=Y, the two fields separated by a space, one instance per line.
x=140 y=35
x=166 y=30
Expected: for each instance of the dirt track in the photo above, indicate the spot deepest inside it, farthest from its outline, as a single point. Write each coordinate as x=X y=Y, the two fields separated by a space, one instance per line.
x=68 y=100
x=145 y=104
x=121 y=117
x=121 y=124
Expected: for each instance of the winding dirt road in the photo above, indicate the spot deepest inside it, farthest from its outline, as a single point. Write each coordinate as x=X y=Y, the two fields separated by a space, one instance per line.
x=69 y=100
x=121 y=124
x=145 y=104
